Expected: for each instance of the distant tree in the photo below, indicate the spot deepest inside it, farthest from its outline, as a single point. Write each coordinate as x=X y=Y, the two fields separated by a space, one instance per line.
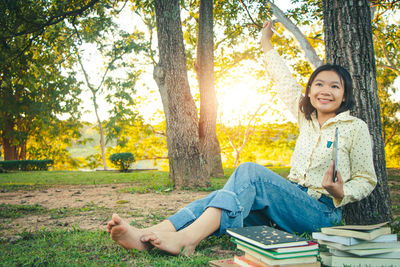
x=146 y=141
x=239 y=135
x=115 y=88
x=52 y=142
x=35 y=43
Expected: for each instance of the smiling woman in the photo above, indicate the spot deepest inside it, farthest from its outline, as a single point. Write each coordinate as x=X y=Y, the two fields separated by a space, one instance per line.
x=327 y=94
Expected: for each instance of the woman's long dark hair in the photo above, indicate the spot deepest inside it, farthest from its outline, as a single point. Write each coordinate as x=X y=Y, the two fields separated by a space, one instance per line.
x=347 y=104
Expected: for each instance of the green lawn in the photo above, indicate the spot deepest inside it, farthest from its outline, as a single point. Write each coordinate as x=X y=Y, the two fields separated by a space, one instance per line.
x=79 y=177
x=95 y=248
x=76 y=247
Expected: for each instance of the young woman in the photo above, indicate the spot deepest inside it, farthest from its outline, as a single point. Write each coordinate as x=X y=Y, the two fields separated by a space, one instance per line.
x=254 y=195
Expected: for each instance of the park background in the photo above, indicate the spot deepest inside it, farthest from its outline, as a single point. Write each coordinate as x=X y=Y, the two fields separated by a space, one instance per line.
x=65 y=76
x=118 y=50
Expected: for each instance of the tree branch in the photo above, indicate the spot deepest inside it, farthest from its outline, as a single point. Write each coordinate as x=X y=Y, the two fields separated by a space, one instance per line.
x=248 y=13
x=156 y=132
x=305 y=45
x=391 y=65
x=55 y=19
x=394 y=132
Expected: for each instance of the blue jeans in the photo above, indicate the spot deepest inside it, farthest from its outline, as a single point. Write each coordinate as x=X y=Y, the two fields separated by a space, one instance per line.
x=254 y=195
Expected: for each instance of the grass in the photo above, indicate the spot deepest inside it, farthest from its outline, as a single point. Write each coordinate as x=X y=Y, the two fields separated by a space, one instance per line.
x=15 y=211
x=75 y=247
x=13 y=181
x=144 y=181
x=94 y=248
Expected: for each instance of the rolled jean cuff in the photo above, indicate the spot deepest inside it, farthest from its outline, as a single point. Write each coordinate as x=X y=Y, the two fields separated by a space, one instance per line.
x=228 y=201
x=232 y=211
x=225 y=200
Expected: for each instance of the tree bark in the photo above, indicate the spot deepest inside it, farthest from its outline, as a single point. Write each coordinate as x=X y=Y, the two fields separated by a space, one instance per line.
x=101 y=131
x=348 y=40
x=209 y=144
x=10 y=151
x=186 y=165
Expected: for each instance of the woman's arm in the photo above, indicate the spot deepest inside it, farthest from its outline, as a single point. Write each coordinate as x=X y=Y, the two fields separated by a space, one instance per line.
x=285 y=85
x=266 y=35
x=362 y=173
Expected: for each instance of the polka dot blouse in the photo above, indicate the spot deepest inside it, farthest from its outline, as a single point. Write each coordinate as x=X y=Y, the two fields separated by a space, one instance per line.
x=313 y=151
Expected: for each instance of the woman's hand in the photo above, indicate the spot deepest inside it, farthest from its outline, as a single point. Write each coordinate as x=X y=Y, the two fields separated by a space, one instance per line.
x=333 y=188
x=266 y=35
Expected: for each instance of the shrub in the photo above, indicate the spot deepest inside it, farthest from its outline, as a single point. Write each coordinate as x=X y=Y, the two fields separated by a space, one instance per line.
x=122 y=160
x=26 y=165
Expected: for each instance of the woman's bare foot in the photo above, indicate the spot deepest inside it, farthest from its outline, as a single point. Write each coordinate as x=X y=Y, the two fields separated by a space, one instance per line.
x=171 y=242
x=126 y=235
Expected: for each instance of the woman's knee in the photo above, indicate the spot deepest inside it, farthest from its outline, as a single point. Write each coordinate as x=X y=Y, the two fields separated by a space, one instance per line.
x=247 y=166
x=247 y=173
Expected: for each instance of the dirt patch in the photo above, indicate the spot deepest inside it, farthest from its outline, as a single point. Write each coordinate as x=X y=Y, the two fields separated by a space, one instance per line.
x=393 y=171
x=90 y=207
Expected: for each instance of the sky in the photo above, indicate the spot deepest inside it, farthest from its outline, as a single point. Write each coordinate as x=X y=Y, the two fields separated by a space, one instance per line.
x=236 y=97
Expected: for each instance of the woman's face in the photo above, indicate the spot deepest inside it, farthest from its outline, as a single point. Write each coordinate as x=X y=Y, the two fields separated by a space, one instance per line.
x=326 y=93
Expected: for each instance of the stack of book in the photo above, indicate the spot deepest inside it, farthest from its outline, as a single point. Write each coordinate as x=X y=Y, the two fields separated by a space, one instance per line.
x=266 y=246
x=360 y=245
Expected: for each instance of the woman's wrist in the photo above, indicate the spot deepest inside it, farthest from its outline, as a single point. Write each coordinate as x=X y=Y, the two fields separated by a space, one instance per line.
x=266 y=46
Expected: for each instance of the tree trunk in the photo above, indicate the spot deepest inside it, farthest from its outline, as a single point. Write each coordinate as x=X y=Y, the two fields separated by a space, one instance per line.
x=348 y=40
x=186 y=166
x=101 y=131
x=10 y=151
x=209 y=144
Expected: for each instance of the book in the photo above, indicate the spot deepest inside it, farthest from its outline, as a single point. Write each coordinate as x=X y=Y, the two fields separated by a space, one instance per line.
x=245 y=262
x=310 y=246
x=250 y=261
x=223 y=263
x=349 y=241
x=251 y=253
x=332 y=260
x=391 y=253
x=363 y=245
x=359 y=226
x=266 y=237
x=273 y=254
x=365 y=232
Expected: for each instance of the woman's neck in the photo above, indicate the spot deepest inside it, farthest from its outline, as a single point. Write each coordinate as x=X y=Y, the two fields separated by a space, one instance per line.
x=322 y=118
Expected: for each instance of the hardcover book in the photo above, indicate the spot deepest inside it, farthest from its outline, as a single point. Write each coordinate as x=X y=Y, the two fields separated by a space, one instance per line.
x=363 y=245
x=270 y=261
x=359 y=227
x=250 y=261
x=273 y=254
x=223 y=263
x=349 y=241
x=332 y=260
x=266 y=237
x=310 y=246
x=391 y=253
x=365 y=232
x=314 y=264
x=246 y=262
